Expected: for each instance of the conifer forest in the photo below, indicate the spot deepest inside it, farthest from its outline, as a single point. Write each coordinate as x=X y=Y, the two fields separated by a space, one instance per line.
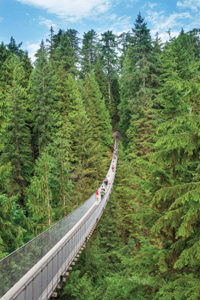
x=57 y=118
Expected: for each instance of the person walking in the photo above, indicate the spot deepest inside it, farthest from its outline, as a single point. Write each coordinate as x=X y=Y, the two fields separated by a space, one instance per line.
x=97 y=194
x=106 y=182
x=103 y=191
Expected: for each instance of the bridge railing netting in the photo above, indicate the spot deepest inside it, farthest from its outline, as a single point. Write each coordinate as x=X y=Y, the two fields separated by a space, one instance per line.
x=14 y=266
x=45 y=279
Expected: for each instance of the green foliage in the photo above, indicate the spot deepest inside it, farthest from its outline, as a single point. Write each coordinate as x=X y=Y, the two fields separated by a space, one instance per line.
x=109 y=58
x=11 y=216
x=139 y=82
x=55 y=140
x=100 y=77
x=82 y=290
x=43 y=102
x=16 y=134
x=163 y=149
x=88 y=51
x=39 y=193
x=64 y=50
x=97 y=111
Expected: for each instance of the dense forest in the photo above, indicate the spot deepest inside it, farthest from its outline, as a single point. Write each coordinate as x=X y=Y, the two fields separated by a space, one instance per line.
x=57 y=119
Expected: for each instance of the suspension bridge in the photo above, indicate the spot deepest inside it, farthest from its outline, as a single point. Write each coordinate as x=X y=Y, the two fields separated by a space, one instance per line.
x=34 y=271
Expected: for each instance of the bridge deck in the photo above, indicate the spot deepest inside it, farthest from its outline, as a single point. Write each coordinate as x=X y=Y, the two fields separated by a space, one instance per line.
x=35 y=270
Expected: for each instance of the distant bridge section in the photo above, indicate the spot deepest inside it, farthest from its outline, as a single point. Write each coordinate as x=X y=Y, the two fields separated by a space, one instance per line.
x=33 y=271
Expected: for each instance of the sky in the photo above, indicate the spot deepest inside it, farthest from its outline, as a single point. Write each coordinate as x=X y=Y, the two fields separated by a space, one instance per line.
x=29 y=21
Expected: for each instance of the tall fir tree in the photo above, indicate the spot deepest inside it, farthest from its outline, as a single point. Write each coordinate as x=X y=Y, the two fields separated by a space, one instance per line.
x=108 y=48
x=43 y=102
x=97 y=110
x=101 y=77
x=83 y=153
x=12 y=217
x=140 y=79
x=16 y=135
x=88 y=52
x=65 y=50
x=39 y=194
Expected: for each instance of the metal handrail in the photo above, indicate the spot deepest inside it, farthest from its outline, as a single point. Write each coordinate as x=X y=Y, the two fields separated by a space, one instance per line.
x=32 y=264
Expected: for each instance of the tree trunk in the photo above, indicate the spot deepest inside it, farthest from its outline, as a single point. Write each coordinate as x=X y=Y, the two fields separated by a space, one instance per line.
x=47 y=195
x=174 y=254
x=109 y=89
x=39 y=152
x=89 y=59
x=32 y=149
x=19 y=170
x=63 y=184
x=144 y=64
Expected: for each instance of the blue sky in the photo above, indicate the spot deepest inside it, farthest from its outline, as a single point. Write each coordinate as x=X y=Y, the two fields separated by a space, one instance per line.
x=29 y=20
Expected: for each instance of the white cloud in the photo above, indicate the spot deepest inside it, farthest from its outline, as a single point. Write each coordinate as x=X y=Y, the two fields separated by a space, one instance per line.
x=32 y=49
x=189 y=4
x=71 y=10
x=162 y=23
x=152 y=4
x=47 y=23
x=148 y=5
x=114 y=23
x=130 y=3
x=164 y=35
x=1 y=19
x=159 y=20
x=122 y=24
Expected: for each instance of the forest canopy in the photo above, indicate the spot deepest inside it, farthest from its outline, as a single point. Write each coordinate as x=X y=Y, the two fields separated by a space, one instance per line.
x=57 y=119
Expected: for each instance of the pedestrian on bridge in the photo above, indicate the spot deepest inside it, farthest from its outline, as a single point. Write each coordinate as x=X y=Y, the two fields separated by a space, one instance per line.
x=106 y=182
x=97 y=194
x=103 y=191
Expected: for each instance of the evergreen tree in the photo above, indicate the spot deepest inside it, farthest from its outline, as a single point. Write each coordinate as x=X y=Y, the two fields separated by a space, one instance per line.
x=26 y=63
x=84 y=151
x=16 y=134
x=4 y=53
x=14 y=48
x=108 y=51
x=101 y=77
x=39 y=194
x=11 y=215
x=43 y=102
x=97 y=111
x=115 y=89
x=167 y=173
x=65 y=50
x=50 y=41
x=88 y=51
x=176 y=156
x=62 y=186
x=124 y=42
x=140 y=77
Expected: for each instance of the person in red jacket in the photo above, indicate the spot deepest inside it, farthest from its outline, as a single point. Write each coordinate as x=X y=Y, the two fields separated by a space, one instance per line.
x=97 y=194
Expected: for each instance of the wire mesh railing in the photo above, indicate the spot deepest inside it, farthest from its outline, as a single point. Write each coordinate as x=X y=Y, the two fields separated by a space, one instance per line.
x=18 y=263
x=15 y=265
